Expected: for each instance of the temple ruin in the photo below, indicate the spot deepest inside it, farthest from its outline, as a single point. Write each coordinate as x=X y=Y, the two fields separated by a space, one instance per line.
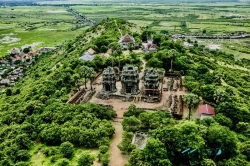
x=140 y=139
x=152 y=85
x=130 y=80
x=109 y=80
x=151 y=79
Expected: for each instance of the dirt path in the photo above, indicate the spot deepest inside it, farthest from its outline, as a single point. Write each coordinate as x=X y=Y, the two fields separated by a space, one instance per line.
x=118 y=28
x=116 y=158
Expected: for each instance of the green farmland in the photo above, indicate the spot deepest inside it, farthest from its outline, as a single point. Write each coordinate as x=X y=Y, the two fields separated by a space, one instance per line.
x=51 y=25
x=47 y=25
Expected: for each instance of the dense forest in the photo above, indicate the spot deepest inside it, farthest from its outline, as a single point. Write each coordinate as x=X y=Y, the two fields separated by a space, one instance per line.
x=35 y=110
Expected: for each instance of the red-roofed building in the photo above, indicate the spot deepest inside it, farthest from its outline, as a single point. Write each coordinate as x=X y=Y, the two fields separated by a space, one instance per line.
x=124 y=40
x=206 y=111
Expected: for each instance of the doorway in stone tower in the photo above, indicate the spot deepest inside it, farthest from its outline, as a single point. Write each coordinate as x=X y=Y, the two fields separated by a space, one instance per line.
x=108 y=87
x=128 y=89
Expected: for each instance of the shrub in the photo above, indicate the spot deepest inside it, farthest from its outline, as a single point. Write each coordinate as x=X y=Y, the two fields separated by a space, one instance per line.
x=63 y=162
x=86 y=159
x=67 y=149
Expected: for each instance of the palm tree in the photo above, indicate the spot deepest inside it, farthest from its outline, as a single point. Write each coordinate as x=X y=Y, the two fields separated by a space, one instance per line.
x=130 y=46
x=218 y=77
x=84 y=73
x=91 y=76
x=219 y=96
x=191 y=100
x=171 y=54
x=76 y=77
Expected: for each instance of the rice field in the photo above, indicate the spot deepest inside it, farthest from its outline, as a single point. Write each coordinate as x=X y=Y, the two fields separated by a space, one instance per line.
x=53 y=24
x=48 y=25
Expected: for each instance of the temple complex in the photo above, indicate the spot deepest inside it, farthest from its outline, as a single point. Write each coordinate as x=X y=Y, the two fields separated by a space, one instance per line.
x=109 y=80
x=130 y=80
x=129 y=87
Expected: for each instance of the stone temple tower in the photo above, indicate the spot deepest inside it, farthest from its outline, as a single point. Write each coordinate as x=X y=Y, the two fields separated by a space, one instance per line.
x=151 y=79
x=109 y=80
x=130 y=80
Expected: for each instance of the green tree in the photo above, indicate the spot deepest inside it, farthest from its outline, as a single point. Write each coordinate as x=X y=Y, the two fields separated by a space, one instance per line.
x=67 y=149
x=146 y=34
x=131 y=123
x=105 y=159
x=17 y=91
x=91 y=76
x=155 y=152
x=245 y=149
x=63 y=162
x=132 y=111
x=86 y=159
x=51 y=134
x=136 y=157
x=243 y=128
x=146 y=118
x=223 y=120
x=191 y=100
x=171 y=54
x=26 y=50
x=236 y=161
x=219 y=135
x=22 y=163
x=102 y=150
x=219 y=95
x=8 y=92
x=22 y=155
x=103 y=49
x=208 y=162
x=126 y=146
x=218 y=77
x=207 y=92
x=154 y=62
x=85 y=73
x=130 y=46
x=76 y=77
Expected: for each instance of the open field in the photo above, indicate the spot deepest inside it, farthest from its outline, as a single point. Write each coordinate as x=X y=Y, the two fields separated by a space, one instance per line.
x=226 y=17
x=53 y=24
x=48 y=25
x=213 y=18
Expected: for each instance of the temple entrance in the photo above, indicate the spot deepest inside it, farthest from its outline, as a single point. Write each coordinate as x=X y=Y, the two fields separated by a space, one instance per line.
x=128 y=89
x=107 y=87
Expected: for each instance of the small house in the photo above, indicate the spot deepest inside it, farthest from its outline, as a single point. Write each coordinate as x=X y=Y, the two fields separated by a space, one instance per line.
x=149 y=46
x=88 y=55
x=206 y=111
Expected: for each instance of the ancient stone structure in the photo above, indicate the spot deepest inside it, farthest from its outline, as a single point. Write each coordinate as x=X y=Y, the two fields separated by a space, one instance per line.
x=151 y=79
x=109 y=80
x=130 y=80
x=117 y=73
x=140 y=139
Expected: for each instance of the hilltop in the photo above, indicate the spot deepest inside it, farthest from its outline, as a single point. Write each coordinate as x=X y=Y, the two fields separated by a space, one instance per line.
x=37 y=124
